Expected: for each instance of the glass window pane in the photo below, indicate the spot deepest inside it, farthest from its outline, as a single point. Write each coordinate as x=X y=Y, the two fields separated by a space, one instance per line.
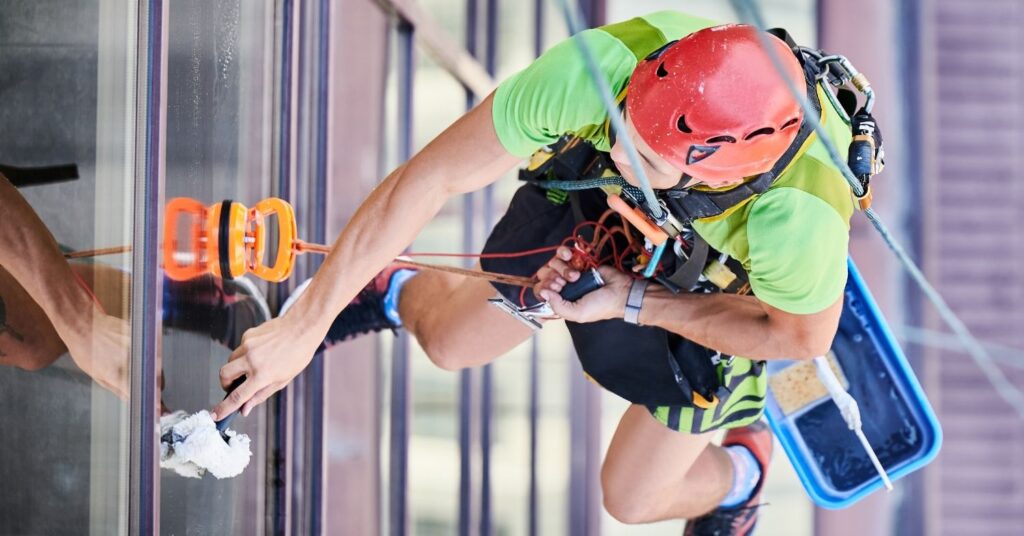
x=66 y=135
x=219 y=147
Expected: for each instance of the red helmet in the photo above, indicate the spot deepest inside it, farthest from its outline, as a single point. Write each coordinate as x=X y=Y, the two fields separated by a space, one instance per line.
x=714 y=106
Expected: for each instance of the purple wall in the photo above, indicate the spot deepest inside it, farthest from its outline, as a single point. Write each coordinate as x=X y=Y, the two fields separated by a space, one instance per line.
x=972 y=199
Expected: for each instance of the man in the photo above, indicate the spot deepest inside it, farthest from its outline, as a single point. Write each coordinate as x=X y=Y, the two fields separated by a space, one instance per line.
x=708 y=112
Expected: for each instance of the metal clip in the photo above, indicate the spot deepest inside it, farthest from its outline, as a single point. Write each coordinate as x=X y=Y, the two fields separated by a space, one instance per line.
x=527 y=315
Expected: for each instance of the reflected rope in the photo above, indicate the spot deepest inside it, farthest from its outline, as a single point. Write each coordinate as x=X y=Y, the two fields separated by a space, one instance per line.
x=1007 y=355
x=749 y=13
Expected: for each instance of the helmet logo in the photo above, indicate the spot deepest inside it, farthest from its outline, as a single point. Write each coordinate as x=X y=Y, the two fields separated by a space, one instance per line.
x=700 y=152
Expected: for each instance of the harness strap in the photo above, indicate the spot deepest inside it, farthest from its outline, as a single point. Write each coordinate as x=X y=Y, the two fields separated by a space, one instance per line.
x=686 y=276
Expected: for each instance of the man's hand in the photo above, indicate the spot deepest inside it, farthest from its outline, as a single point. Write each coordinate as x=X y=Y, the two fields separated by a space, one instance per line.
x=101 y=351
x=604 y=303
x=269 y=360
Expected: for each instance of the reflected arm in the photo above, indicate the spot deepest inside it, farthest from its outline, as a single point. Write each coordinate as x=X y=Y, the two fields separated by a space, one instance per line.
x=29 y=252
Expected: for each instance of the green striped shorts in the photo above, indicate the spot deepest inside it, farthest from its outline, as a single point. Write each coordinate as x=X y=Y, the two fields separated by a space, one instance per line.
x=747 y=383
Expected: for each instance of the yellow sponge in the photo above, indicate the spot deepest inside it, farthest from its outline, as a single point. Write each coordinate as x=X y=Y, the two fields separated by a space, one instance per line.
x=797 y=386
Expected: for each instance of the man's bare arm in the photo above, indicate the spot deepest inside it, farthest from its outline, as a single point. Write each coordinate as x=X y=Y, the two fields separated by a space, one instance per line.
x=742 y=325
x=465 y=157
x=731 y=324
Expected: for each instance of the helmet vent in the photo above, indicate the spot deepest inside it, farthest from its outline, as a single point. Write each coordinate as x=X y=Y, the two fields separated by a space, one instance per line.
x=789 y=123
x=721 y=139
x=760 y=132
x=682 y=126
x=662 y=73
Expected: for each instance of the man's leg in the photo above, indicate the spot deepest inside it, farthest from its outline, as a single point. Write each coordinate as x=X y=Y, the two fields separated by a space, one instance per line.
x=451 y=319
x=652 y=473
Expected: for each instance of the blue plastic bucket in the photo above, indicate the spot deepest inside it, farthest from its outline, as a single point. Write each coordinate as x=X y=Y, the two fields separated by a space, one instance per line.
x=897 y=418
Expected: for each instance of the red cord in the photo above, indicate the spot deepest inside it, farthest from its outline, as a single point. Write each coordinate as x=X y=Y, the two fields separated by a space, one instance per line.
x=486 y=255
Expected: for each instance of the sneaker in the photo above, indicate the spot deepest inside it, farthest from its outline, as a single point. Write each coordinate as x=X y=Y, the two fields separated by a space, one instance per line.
x=223 y=309
x=738 y=520
x=375 y=307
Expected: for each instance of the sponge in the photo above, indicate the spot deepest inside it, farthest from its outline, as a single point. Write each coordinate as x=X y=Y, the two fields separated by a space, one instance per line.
x=797 y=386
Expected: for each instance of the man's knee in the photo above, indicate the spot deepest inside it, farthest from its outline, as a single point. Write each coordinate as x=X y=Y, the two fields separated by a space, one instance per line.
x=442 y=353
x=631 y=504
x=623 y=502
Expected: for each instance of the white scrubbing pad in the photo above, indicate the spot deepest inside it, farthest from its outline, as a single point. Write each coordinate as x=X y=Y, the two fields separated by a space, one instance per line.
x=202 y=448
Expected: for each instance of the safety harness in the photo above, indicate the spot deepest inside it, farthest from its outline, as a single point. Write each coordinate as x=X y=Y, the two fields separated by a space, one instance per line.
x=573 y=164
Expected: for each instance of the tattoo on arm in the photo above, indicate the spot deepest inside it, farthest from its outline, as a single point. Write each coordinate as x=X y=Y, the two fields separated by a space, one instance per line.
x=4 y=328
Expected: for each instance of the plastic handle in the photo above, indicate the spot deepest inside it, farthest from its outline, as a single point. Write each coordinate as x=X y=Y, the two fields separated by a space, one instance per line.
x=588 y=282
x=175 y=208
x=285 y=262
x=635 y=217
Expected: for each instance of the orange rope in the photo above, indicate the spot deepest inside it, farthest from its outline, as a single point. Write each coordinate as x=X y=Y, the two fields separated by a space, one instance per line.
x=97 y=252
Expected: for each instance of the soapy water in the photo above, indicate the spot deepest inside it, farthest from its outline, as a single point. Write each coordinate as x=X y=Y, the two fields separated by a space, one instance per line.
x=198 y=447
x=888 y=422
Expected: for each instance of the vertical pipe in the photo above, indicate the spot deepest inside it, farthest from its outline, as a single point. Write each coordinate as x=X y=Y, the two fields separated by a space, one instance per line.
x=487 y=380
x=318 y=228
x=279 y=450
x=143 y=517
x=487 y=374
x=298 y=152
x=916 y=491
x=400 y=355
x=466 y=375
x=538 y=49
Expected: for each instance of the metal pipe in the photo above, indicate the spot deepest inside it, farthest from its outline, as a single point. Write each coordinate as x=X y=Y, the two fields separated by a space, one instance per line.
x=143 y=506
x=400 y=384
x=487 y=374
x=466 y=375
x=534 y=403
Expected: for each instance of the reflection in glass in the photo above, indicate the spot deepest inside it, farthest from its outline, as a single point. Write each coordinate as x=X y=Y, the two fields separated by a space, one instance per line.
x=66 y=130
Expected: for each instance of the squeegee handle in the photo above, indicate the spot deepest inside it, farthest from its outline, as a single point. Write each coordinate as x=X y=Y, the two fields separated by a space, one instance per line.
x=828 y=378
x=226 y=421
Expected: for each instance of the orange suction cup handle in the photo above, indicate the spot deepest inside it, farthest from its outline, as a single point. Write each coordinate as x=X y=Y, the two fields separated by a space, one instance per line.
x=285 y=261
x=226 y=239
x=183 y=271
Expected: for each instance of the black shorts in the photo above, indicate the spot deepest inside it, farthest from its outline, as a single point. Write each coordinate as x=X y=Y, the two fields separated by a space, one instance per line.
x=629 y=360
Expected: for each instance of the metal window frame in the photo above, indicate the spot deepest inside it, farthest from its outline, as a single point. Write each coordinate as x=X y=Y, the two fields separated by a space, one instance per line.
x=150 y=87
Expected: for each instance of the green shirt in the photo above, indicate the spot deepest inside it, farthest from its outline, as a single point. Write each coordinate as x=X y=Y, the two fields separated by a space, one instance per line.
x=792 y=239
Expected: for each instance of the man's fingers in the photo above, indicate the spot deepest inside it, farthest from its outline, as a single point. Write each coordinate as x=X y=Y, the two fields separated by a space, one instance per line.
x=232 y=371
x=260 y=397
x=236 y=398
x=558 y=305
x=563 y=253
x=563 y=269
